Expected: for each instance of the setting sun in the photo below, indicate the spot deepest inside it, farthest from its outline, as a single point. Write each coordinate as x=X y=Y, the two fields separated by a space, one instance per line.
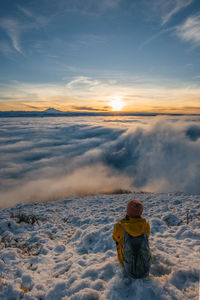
x=116 y=103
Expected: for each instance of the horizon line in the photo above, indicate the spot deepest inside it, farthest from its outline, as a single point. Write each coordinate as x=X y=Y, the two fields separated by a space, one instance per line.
x=56 y=112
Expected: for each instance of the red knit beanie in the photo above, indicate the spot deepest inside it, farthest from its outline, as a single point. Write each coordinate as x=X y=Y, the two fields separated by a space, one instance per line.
x=134 y=208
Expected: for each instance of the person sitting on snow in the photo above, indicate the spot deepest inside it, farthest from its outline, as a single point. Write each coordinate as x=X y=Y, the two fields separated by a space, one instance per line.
x=131 y=236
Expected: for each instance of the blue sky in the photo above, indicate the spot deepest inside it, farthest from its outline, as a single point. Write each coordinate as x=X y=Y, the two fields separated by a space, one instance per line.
x=85 y=54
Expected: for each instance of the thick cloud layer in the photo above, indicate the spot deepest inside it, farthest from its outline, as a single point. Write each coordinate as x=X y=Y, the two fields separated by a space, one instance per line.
x=49 y=158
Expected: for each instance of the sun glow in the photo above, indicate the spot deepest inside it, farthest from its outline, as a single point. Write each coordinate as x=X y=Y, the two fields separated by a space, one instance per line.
x=116 y=103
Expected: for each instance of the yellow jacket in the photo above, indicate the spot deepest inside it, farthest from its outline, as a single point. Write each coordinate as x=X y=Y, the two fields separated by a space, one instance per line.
x=134 y=226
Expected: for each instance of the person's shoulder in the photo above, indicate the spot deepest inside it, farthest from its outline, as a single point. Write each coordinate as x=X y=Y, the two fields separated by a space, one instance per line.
x=144 y=222
x=144 y=219
x=121 y=221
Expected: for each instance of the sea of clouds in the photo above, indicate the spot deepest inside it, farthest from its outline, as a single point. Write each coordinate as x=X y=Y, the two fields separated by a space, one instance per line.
x=43 y=159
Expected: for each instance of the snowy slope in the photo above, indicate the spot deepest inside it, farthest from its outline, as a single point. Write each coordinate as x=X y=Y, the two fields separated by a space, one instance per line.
x=64 y=249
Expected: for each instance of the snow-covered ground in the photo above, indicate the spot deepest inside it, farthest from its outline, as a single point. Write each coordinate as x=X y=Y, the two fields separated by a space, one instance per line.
x=64 y=249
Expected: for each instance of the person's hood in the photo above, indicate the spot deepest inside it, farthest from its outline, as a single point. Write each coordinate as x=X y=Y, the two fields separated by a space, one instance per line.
x=134 y=226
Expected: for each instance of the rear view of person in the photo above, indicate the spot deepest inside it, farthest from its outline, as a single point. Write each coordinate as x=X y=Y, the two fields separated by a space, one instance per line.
x=131 y=236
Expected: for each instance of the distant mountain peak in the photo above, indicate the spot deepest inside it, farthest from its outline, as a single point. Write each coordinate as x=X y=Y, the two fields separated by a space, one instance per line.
x=51 y=110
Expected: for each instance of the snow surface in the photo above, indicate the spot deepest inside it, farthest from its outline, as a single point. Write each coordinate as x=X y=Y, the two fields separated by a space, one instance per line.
x=64 y=249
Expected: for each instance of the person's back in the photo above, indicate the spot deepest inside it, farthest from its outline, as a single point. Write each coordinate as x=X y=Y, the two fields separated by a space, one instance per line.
x=131 y=237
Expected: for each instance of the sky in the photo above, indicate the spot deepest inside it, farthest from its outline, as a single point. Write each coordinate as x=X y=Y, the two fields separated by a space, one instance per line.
x=91 y=55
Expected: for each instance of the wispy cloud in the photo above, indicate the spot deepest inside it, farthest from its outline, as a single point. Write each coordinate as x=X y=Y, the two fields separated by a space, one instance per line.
x=14 y=30
x=154 y=37
x=91 y=8
x=164 y=10
x=172 y=7
x=189 y=31
x=196 y=77
x=82 y=81
x=109 y=3
x=39 y=20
